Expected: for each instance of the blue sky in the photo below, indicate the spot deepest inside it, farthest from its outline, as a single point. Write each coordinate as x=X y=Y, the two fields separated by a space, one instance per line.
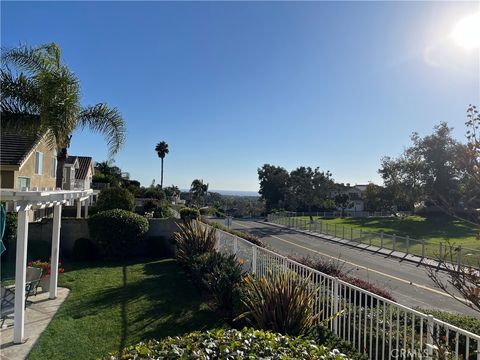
x=231 y=86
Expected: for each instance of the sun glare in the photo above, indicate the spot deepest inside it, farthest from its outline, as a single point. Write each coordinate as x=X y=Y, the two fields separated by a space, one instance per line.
x=467 y=32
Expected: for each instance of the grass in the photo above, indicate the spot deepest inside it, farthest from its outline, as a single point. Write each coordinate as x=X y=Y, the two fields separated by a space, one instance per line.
x=434 y=229
x=113 y=305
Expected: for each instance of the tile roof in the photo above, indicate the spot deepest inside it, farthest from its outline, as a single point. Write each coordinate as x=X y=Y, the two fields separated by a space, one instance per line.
x=84 y=163
x=14 y=148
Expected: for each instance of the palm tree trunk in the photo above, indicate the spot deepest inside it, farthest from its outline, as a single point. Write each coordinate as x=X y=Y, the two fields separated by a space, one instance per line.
x=161 y=176
x=61 y=158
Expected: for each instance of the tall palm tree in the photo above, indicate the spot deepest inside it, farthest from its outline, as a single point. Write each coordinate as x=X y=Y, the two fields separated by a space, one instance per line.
x=42 y=95
x=162 y=151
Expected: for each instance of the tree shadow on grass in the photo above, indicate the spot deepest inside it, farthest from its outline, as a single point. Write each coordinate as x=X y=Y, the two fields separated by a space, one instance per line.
x=162 y=303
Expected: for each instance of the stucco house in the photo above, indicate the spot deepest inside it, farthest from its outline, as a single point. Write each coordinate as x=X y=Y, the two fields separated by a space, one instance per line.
x=27 y=162
x=77 y=173
x=355 y=193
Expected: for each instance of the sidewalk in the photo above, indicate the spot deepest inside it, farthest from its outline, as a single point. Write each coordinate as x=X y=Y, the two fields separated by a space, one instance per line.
x=37 y=317
x=372 y=248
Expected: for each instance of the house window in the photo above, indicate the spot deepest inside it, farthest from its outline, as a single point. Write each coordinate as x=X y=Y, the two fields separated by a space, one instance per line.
x=54 y=167
x=23 y=183
x=38 y=163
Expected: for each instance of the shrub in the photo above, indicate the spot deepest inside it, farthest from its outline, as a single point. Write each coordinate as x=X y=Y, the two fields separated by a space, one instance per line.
x=466 y=322
x=242 y=234
x=334 y=267
x=221 y=276
x=117 y=231
x=193 y=239
x=115 y=198
x=150 y=205
x=323 y=335
x=228 y=344
x=208 y=211
x=84 y=249
x=187 y=214
x=281 y=302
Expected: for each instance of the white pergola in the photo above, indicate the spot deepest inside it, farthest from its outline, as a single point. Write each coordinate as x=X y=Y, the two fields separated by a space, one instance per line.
x=23 y=202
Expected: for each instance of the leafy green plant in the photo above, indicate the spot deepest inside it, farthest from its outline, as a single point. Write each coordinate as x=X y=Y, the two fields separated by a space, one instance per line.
x=221 y=276
x=117 y=232
x=228 y=344
x=281 y=302
x=115 y=198
x=193 y=239
x=187 y=214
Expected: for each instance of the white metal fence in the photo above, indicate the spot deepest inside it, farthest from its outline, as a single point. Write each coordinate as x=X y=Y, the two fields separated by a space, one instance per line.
x=461 y=256
x=378 y=327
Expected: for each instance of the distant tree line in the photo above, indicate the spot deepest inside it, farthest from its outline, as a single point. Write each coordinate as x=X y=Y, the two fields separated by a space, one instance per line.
x=303 y=189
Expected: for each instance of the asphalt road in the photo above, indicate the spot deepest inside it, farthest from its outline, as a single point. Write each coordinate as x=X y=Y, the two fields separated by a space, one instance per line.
x=408 y=282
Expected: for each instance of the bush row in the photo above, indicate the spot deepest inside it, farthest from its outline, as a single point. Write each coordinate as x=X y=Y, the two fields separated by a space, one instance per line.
x=228 y=344
x=334 y=267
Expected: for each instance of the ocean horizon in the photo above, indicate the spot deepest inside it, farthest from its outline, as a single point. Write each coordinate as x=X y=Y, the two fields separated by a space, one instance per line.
x=232 y=192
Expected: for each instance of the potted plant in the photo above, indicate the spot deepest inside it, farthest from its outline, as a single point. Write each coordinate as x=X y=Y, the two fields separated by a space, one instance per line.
x=46 y=267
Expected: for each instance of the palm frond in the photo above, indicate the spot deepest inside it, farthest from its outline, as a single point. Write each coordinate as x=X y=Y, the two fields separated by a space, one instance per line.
x=106 y=121
x=32 y=60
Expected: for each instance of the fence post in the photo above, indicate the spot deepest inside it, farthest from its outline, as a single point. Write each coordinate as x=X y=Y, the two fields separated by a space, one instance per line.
x=335 y=305
x=459 y=257
x=408 y=243
x=361 y=235
x=430 y=336
x=441 y=248
x=327 y=229
x=343 y=232
x=351 y=233
x=254 y=260
x=381 y=240
x=335 y=230
x=235 y=245
x=321 y=227
x=394 y=246
x=423 y=248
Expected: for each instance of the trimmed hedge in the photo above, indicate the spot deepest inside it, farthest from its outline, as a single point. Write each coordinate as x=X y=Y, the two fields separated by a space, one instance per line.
x=189 y=214
x=228 y=344
x=117 y=232
x=115 y=198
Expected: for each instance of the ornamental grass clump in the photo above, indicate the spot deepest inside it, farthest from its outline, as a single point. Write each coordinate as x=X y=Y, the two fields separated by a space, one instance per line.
x=193 y=239
x=280 y=302
x=229 y=344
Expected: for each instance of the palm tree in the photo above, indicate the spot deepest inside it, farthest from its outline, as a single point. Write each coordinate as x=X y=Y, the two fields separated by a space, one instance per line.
x=162 y=150
x=42 y=95
x=199 y=189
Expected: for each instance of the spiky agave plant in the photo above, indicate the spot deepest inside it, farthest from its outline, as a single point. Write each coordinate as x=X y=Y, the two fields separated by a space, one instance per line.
x=193 y=239
x=280 y=302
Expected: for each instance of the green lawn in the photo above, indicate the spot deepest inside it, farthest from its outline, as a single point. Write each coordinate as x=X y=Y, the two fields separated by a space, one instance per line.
x=113 y=305
x=433 y=229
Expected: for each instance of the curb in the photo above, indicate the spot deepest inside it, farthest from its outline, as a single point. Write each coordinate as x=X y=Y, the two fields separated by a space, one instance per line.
x=388 y=253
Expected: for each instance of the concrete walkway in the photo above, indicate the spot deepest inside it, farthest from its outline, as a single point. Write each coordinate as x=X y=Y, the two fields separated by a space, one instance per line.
x=37 y=317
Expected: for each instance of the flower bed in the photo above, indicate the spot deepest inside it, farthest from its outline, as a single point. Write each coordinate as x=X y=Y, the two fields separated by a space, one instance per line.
x=228 y=344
